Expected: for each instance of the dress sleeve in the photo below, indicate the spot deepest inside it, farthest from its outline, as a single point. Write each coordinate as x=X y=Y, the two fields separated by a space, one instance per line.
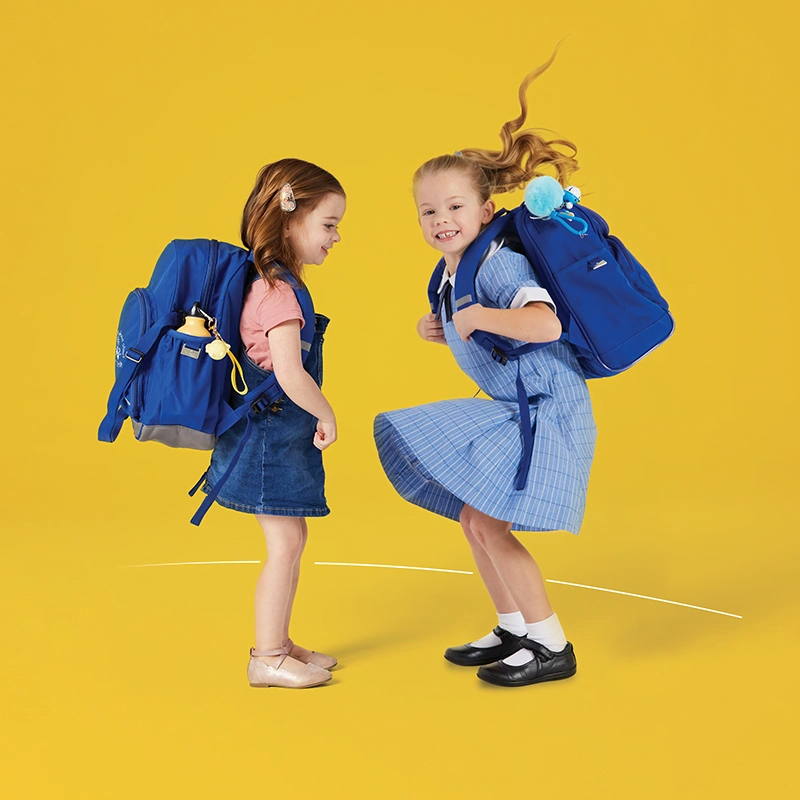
x=507 y=280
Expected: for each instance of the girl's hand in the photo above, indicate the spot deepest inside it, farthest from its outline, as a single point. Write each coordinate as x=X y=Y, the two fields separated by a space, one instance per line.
x=325 y=435
x=468 y=320
x=431 y=330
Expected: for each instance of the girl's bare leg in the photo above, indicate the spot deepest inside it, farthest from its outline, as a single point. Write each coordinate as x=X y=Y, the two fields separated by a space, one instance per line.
x=512 y=564
x=501 y=597
x=277 y=583
x=295 y=580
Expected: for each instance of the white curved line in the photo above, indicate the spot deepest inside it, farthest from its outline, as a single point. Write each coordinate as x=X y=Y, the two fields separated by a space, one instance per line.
x=454 y=571
x=549 y=580
x=186 y=564
x=645 y=597
x=389 y=566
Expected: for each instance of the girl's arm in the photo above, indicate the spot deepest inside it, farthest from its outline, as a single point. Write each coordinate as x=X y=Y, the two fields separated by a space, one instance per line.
x=300 y=388
x=534 y=322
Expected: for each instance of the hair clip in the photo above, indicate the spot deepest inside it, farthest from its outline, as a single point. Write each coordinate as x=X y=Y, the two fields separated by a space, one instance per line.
x=458 y=153
x=288 y=203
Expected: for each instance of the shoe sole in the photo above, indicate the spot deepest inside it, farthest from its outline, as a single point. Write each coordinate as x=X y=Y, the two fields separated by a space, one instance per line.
x=556 y=676
x=279 y=686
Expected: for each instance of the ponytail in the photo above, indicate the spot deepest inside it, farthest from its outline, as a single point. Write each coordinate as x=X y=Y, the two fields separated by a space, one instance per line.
x=525 y=154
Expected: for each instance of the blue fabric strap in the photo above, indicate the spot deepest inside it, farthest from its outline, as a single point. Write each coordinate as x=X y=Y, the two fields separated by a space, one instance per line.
x=527 y=433
x=249 y=409
x=434 y=298
x=212 y=495
x=468 y=265
x=269 y=389
x=115 y=415
x=194 y=488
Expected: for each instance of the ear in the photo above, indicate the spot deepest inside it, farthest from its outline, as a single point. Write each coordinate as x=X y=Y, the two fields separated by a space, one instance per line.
x=487 y=212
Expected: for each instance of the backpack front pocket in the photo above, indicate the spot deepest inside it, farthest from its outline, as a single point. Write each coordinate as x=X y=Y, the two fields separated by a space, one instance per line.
x=607 y=308
x=184 y=384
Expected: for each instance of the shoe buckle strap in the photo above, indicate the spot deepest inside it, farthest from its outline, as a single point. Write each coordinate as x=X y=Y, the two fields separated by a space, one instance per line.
x=539 y=650
x=278 y=651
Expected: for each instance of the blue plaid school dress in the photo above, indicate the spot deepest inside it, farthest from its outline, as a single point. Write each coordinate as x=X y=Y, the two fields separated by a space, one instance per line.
x=442 y=455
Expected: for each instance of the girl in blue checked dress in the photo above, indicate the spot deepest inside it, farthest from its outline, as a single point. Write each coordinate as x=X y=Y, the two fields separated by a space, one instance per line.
x=459 y=458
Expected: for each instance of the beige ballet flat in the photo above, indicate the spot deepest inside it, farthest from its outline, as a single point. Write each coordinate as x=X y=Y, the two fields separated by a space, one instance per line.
x=260 y=674
x=309 y=656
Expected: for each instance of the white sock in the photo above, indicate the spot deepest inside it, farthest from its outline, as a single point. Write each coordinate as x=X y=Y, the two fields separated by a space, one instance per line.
x=547 y=632
x=513 y=622
x=522 y=656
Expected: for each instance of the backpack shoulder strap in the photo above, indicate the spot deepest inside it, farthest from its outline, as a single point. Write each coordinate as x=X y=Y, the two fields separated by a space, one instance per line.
x=466 y=292
x=434 y=298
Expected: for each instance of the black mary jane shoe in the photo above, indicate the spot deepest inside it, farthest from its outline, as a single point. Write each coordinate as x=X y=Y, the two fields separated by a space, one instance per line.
x=546 y=666
x=466 y=655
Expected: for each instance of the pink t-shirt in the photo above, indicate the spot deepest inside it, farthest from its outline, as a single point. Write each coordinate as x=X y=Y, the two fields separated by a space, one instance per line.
x=263 y=309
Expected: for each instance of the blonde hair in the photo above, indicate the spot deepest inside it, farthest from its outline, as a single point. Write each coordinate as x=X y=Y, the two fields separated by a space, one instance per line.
x=525 y=154
x=264 y=223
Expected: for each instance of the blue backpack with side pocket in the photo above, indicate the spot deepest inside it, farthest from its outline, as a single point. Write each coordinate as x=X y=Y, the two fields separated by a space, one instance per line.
x=172 y=387
x=609 y=307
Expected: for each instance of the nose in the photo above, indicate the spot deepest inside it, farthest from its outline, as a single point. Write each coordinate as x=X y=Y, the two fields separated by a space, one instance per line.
x=337 y=237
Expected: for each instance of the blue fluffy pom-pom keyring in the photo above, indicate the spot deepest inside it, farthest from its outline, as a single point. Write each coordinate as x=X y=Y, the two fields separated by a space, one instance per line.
x=545 y=199
x=543 y=196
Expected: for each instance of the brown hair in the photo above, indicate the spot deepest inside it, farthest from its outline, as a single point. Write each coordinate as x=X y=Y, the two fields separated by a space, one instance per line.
x=523 y=157
x=264 y=223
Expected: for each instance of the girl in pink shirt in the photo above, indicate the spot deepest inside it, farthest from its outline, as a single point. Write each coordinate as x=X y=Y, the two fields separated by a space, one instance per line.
x=290 y=219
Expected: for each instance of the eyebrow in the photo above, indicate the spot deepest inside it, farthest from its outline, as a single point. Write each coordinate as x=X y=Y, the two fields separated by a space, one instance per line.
x=447 y=199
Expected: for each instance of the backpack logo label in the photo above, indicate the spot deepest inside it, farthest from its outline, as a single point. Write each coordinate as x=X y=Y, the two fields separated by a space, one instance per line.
x=599 y=264
x=188 y=351
x=119 y=350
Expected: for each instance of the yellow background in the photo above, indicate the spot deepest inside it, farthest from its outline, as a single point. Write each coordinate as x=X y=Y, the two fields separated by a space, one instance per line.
x=127 y=125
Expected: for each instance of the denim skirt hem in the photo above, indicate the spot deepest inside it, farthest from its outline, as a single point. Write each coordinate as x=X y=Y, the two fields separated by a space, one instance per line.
x=271 y=511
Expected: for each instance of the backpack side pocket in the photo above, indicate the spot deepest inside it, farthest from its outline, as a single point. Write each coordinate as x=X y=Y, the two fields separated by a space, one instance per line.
x=183 y=390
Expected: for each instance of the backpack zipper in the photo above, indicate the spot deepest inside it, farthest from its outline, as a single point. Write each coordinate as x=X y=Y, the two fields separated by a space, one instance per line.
x=137 y=386
x=211 y=273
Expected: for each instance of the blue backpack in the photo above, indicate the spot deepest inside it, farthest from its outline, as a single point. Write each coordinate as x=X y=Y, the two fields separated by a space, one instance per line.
x=609 y=307
x=175 y=387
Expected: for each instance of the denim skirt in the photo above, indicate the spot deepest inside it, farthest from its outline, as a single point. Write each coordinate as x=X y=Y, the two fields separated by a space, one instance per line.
x=280 y=472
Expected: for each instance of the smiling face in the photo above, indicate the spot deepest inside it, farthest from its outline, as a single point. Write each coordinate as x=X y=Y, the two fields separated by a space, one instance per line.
x=451 y=213
x=312 y=236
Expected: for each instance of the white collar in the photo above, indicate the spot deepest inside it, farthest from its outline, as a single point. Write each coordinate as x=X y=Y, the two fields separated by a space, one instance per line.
x=493 y=248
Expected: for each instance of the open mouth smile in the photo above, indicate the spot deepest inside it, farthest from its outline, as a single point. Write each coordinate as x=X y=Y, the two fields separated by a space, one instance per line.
x=444 y=235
